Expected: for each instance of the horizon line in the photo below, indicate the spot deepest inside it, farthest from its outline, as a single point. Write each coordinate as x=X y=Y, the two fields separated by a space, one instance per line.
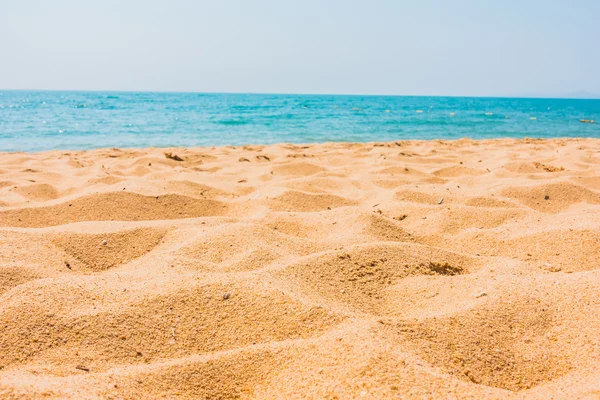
x=566 y=96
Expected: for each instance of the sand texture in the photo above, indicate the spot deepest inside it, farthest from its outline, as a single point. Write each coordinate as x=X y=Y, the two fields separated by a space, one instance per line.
x=417 y=269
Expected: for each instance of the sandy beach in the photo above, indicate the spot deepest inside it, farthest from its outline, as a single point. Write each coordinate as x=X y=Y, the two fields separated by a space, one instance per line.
x=412 y=269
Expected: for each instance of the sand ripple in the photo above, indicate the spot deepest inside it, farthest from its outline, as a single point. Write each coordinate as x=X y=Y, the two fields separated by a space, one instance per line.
x=465 y=269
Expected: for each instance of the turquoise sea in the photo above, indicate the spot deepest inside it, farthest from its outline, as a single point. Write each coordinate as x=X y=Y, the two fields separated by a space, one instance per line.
x=44 y=120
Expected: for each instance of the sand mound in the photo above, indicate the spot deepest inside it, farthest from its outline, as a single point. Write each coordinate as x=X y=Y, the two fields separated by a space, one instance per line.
x=297 y=227
x=558 y=250
x=520 y=167
x=194 y=189
x=297 y=169
x=239 y=247
x=4 y=184
x=488 y=202
x=552 y=198
x=11 y=277
x=503 y=345
x=115 y=206
x=37 y=192
x=298 y=201
x=99 y=252
x=458 y=170
x=38 y=258
x=106 y=180
x=190 y=321
x=151 y=161
x=531 y=168
x=390 y=183
x=221 y=378
x=323 y=231
x=359 y=276
x=412 y=174
x=139 y=171
x=319 y=185
x=419 y=197
x=453 y=220
x=386 y=229
x=402 y=171
x=590 y=182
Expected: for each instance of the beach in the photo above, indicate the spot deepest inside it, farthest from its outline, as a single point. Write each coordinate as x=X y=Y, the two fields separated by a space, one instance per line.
x=408 y=269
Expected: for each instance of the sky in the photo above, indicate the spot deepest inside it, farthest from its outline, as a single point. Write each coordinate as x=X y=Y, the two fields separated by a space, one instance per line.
x=424 y=47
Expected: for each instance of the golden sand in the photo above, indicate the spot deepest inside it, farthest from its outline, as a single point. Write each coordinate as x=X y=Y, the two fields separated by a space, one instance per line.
x=421 y=269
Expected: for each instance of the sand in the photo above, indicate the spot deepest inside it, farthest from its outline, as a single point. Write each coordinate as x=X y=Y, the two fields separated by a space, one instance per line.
x=414 y=269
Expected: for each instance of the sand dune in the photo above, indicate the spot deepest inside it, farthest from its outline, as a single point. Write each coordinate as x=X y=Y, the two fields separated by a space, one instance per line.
x=442 y=269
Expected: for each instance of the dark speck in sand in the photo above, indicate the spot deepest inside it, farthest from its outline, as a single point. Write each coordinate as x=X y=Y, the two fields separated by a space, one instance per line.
x=172 y=156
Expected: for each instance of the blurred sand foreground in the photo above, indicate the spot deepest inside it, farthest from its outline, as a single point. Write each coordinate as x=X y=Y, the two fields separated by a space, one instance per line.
x=414 y=269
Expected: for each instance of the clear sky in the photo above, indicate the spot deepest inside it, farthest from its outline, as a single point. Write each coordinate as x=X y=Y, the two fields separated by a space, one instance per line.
x=420 y=47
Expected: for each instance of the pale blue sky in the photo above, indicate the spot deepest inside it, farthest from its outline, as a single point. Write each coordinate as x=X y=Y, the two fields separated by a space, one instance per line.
x=420 y=47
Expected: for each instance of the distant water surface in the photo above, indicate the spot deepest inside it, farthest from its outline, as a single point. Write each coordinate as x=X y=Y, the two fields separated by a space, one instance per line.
x=44 y=120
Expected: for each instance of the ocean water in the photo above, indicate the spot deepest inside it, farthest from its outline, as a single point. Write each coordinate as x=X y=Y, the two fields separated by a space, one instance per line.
x=45 y=120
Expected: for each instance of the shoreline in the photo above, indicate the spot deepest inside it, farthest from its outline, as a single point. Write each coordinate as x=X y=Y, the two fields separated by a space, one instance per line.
x=525 y=140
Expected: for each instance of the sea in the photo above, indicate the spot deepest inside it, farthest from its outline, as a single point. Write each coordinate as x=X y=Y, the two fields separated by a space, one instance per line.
x=45 y=120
